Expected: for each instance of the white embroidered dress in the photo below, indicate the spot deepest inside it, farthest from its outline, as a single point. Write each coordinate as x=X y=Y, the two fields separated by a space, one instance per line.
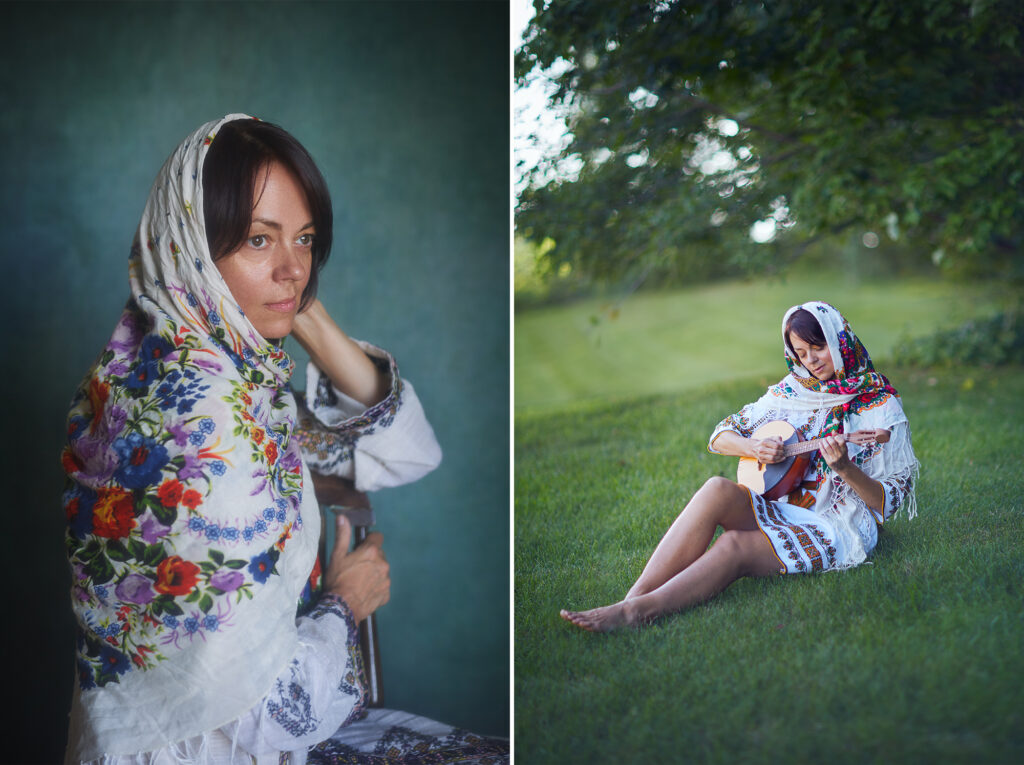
x=823 y=524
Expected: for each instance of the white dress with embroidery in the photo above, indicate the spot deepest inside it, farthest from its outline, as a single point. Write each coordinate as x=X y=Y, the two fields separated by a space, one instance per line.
x=823 y=524
x=315 y=710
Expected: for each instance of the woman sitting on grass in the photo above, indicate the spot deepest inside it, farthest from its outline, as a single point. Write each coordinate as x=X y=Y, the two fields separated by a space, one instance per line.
x=864 y=472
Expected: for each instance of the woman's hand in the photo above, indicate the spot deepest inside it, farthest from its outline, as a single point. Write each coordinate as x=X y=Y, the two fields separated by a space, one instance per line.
x=833 y=449
x=359 y=577
x=768 y=450
x=764 y=450
x=338 y=356
x=865 y=437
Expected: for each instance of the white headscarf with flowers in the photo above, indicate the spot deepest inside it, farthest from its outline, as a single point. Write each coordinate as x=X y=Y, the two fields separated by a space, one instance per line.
x=189 y=535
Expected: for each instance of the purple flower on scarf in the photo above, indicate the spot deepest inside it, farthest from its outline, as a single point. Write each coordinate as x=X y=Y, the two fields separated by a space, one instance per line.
x=100 y=462
x=192 y=468
x=141 y=461
x=126 y=334
x=289 y=461
x=135 y=588
x=116 y=418
x=212 y=366
x=153 y=530
x=179 y=433
x=228 y=581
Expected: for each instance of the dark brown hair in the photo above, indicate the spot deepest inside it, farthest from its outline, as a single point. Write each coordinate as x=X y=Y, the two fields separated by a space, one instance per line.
x=233 y=165
x=803 y=324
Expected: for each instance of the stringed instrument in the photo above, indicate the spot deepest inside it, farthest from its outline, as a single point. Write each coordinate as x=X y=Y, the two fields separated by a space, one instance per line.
x=776 y=480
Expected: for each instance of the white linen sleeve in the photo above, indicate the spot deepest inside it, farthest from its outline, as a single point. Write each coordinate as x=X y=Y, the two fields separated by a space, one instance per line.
x=322 y=689
x=388 y=444
x=739 y=423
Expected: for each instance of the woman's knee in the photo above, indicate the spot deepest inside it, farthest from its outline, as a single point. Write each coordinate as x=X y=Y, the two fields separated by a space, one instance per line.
x=746 y=550
x=721 y=488
x=724 y=498
x=729 y=546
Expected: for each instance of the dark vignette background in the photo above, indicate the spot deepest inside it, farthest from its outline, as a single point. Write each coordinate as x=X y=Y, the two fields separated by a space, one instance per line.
x=405 y=108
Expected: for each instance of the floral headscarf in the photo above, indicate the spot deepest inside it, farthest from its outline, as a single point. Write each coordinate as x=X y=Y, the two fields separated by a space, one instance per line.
x=189 y=536
x=855 y=382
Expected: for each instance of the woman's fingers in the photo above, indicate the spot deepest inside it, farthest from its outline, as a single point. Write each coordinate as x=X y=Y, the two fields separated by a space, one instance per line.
x=362 y=577
x=343 y=535
x=770 y=450
x=833 y=448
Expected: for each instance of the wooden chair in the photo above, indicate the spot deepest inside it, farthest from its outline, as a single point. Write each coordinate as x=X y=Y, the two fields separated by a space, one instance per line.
x=340 y=496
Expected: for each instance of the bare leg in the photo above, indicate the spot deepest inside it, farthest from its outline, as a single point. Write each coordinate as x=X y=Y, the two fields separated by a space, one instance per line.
x=719 y=502
x=734 y=555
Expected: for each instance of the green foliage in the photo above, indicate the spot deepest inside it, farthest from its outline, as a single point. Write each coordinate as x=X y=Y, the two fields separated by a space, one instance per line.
x=535 y=283
x=993 y=341
x=898 y=115
x=914 y=658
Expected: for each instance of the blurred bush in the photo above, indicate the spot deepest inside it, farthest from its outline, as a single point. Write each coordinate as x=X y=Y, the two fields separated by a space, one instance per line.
x=989 y=342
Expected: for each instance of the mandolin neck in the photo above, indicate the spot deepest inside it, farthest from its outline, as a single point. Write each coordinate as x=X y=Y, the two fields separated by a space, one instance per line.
x=803 y=446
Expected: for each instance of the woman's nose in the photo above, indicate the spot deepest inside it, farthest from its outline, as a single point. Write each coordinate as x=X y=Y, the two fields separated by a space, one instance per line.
x=292 y=266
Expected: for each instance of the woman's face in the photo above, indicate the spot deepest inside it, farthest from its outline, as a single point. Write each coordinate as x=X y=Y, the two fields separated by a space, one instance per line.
x=816 y=359
x=268 y=273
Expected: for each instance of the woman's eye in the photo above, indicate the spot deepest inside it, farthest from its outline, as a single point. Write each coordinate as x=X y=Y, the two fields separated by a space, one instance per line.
x=258 y=242
x=306 y=240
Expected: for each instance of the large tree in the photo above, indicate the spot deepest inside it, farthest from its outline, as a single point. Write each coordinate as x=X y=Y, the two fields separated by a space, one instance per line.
x=691 y=121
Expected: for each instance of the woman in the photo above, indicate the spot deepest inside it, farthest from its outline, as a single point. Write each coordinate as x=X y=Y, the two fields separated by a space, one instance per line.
x=192 y=524
x=864 y=472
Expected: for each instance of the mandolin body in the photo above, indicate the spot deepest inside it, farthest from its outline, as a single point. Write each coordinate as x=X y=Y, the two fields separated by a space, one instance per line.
x=778 y=479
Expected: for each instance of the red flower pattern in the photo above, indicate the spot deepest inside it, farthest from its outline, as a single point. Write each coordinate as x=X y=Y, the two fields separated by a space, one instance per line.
x=113 y=515
x=175 y=576
x=170 y=492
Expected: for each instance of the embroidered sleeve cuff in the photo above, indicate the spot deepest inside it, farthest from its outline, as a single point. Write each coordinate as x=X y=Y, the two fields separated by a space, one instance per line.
x=342 y=413
x=331 y=604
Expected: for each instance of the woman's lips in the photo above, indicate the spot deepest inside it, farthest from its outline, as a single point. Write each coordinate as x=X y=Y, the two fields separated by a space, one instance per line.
x=285 y=306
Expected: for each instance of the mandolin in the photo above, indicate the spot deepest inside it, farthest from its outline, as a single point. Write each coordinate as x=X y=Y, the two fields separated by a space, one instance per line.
x=778 y=479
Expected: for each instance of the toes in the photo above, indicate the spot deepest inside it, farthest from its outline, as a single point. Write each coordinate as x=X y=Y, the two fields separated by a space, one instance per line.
x=578 y=619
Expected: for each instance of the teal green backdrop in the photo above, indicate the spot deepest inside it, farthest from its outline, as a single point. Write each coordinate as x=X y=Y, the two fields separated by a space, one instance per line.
x=405 y=108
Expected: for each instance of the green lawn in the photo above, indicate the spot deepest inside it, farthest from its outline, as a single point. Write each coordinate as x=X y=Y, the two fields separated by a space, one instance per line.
x=918 y=657
x=689 y=339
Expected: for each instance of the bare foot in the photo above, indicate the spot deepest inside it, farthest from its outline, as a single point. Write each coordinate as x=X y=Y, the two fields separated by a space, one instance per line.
x=603 y=619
